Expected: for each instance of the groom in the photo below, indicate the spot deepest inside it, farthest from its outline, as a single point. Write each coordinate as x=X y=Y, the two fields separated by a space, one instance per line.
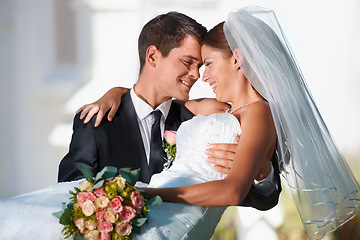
x=169 y=51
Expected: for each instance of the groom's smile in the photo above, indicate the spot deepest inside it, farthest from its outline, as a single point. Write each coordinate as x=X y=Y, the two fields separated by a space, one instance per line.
x=189 y=85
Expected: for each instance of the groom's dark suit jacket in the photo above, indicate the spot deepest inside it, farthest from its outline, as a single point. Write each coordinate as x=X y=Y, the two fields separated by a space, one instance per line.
x=118 y=143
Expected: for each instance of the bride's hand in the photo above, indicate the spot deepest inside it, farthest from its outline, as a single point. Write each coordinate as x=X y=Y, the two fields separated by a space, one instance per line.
x=221 y=155
x=110 y=100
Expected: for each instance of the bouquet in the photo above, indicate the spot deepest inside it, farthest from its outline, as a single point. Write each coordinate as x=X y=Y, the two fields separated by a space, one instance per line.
x=169 y=146
x=105 y=207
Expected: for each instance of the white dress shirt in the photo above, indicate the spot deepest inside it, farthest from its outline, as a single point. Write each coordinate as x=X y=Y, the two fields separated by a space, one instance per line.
x=146 y=119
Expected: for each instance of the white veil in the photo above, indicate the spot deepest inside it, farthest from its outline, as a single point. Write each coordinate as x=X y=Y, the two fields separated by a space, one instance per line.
x=324 y=189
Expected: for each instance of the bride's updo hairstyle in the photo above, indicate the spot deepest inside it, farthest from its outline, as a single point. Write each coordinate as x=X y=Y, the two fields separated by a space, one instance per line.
x=215 y=38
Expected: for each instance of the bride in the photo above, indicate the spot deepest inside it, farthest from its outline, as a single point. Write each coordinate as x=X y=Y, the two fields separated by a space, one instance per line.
x=248 y=64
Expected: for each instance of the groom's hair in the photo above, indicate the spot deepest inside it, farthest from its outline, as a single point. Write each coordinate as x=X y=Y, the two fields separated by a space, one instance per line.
x=167 y=31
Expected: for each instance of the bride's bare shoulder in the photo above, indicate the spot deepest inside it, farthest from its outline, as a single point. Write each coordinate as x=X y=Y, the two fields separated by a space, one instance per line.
x=258 y=114
x=258 y=109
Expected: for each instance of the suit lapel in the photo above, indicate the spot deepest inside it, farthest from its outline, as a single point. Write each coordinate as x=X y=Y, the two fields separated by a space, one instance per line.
x=128 y=128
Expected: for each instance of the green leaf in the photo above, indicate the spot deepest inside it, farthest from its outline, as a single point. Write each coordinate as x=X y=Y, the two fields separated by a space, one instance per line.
x=138 y=222
x=99 y=175
x=124 y=170
x=70 y=206
x=65 y=218
x=99 y=184
x=106 y=173
x=110 y=173
x=131 y=176
x=60 y=213
x=87 y=173
x=156 y=201
x=57 y=214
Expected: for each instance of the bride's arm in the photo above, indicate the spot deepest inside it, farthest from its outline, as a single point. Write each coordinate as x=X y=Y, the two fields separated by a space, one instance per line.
x=251 y=162
x=110 y=100
x=205 y=106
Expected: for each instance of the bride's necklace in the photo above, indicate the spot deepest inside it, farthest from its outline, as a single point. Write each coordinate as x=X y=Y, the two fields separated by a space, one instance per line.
x=245 y=105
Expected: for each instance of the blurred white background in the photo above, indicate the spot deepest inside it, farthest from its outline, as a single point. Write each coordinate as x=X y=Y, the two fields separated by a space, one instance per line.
x=57 y=55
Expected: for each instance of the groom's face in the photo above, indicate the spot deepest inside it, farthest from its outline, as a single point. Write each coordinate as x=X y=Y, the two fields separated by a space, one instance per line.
x=179 y=70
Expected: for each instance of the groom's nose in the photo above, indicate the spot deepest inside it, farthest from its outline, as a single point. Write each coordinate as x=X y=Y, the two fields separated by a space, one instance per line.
x=194 y=73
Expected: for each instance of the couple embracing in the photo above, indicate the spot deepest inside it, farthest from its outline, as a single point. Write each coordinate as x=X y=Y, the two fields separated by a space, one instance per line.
x=261 y=98
x=230 y=150
x=172 y=48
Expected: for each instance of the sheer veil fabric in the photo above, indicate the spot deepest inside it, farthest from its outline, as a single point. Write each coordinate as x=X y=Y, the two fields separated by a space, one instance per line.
x=325 y=191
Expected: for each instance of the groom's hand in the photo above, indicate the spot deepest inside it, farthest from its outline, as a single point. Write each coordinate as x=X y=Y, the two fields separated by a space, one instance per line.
x=221 y=155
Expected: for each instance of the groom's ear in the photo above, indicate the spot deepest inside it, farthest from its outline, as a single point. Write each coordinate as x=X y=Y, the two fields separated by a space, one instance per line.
x=152 y=55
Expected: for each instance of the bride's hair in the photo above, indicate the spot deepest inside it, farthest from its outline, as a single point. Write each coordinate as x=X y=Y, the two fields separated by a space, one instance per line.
x=215 y=38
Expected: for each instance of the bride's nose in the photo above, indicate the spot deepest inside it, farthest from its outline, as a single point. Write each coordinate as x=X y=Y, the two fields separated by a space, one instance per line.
x=205 y=77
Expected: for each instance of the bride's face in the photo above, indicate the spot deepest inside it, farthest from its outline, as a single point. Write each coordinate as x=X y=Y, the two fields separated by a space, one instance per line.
x=219 y=73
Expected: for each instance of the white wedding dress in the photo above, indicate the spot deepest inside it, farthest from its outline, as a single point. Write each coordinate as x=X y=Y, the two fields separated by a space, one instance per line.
x=29 y=216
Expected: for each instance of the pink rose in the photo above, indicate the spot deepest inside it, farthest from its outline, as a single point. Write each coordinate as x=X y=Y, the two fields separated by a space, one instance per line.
x=102 y=202
x=123 y=228
x=80 y=224
x=100 y=192
x=85 y=186
x=170 y=136
x=90 y=196
x=127 y=214
x=105 y=236
x=110 y=215
x=92 y=235
x=81 y=197
x=116 y=204
x=88 y=208
x=105 y=227
x=137 y=201
x=100 y=214
x=91 y=224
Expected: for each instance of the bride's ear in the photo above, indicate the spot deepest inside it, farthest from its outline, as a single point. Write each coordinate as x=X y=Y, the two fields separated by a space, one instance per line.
x=237 y=58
